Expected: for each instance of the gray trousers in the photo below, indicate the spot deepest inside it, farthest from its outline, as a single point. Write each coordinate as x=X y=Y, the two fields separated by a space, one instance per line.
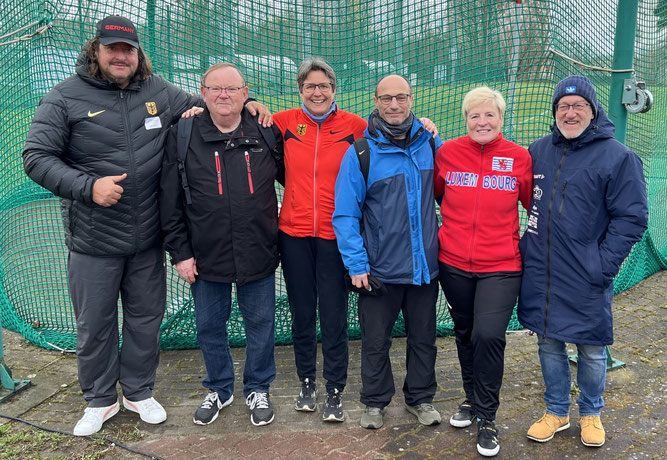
x=95 y=283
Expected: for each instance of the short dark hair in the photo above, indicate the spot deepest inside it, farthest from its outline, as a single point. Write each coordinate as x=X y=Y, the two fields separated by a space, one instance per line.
x=144 y=69
x=314 y=64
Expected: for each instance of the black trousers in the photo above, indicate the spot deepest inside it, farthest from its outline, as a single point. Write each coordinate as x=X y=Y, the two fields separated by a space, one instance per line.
x=377 y=316
x=94 y=284
x=481 y=306
x=314 y=274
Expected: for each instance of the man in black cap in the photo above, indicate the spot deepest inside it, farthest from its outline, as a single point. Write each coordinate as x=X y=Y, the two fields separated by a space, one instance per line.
x=96 y=141
x=588 y=208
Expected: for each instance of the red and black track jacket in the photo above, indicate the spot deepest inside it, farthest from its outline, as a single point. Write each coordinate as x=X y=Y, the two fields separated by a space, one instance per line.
x=312 y=159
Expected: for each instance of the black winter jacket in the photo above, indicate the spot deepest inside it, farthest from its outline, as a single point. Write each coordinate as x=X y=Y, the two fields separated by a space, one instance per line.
x=231 y=227
x=85 y=129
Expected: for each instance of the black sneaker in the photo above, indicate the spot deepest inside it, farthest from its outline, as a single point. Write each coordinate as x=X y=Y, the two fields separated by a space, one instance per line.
x=210 y=408
x=261 y=410
x=333 y=407
x=464 y=417
x=307 y=400
x=487 y=438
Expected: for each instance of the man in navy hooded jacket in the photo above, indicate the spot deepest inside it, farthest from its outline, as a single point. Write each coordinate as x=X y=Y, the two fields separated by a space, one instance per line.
x=588 y=208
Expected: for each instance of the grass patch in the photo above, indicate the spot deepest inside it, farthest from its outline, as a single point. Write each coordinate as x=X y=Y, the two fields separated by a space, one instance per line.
x=27 y=443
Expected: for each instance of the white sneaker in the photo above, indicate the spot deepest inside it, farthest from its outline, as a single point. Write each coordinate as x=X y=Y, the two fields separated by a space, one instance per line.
x=149 y=410
x=93 y=418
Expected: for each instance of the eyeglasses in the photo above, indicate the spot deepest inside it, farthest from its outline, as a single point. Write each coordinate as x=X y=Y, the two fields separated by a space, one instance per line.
x=310 y=87
x=230 y=90
x=386 y=99
x=578 y=107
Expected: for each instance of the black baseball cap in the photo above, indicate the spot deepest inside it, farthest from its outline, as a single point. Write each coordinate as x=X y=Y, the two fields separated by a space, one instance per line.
x=114 y=29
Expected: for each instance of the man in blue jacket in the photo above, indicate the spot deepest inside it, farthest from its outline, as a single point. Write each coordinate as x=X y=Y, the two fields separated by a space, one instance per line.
x=588 y=208
x=386 y=228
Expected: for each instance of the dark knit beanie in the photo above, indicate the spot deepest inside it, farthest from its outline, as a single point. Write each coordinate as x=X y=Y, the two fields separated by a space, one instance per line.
x=576 y=85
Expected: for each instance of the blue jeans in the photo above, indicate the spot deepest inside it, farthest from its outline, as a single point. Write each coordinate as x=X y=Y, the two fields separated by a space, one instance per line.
x=257 y=303
x=591 y=374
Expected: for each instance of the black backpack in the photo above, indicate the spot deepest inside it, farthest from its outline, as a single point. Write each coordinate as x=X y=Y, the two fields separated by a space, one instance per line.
x=183 y=142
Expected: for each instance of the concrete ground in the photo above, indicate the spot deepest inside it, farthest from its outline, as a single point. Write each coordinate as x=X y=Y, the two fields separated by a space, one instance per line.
x=634 y=416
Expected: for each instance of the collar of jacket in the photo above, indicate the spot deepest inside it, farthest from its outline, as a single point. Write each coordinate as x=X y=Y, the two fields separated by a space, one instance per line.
x=210 y=133
x=310 y=121
x=415 y=132
x=489 y=146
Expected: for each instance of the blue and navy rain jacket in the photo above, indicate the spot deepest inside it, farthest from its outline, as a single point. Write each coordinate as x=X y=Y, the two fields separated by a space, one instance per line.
x=388 y=226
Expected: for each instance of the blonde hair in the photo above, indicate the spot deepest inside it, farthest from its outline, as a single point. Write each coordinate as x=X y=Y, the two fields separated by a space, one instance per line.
x=481 y=95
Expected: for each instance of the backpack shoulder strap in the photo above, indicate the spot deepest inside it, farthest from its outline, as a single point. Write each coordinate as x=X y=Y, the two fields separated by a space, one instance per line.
x=269 y=138
x=182 y=144
x=431 y=140
x=363 y=155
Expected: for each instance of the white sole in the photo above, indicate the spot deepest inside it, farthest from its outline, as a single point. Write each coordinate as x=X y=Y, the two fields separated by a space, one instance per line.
x=564 y=427
x=488 y=452
x=459 y=424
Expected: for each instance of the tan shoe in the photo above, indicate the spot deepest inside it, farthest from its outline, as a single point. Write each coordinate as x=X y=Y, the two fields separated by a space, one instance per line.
x=544 y=429
x=592 y=432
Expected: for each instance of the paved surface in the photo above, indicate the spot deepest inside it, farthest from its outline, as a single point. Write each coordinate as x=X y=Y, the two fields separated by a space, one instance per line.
x=634 y=417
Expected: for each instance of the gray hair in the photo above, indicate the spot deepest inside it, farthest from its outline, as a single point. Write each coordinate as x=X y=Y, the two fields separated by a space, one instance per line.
x=314 y=64
x=221 y=65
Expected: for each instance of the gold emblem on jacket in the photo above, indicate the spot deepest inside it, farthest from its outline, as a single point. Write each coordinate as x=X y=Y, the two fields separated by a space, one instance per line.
x=152 y=108
x=301 y=129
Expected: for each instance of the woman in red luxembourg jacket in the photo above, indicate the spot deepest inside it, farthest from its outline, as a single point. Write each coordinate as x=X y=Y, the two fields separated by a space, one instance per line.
x=316 y=136
x=481 y=178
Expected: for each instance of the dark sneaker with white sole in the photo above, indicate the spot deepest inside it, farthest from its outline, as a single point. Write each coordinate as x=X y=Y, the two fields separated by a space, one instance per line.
x=464 y=417
x=261 y=409
x=487 y=438
x=333 y=407
x=307 y=400
x=210 y=408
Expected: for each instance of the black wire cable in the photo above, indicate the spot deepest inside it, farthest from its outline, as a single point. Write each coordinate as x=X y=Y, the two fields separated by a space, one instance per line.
x=93 y=437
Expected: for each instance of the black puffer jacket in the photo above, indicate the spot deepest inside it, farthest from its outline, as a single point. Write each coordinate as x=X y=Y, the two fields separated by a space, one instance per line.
x=85 y=129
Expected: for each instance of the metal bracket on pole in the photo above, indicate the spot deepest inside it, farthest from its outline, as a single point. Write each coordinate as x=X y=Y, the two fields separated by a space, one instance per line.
x=612 y=363
x=9 y=385
x=636 y=98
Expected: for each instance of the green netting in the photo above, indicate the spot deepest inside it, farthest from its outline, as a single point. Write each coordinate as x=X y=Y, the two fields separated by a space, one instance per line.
x=443 y=47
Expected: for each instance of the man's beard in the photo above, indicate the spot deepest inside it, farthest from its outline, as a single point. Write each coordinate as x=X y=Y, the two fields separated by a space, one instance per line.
x=117 y=79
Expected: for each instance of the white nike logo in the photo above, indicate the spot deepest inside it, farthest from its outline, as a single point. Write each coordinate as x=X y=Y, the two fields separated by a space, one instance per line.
x=94 y=114
x=362 y=152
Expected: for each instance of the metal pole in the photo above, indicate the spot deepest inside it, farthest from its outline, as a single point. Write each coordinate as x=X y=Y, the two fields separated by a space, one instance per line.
x=8 y=385
x=624 y=49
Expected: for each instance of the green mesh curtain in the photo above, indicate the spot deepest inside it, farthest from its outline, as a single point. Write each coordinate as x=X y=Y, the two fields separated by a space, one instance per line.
x=445 y=48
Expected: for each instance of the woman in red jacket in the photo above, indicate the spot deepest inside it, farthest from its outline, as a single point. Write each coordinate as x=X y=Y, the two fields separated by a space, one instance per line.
x=481 y=178
x=316 y=136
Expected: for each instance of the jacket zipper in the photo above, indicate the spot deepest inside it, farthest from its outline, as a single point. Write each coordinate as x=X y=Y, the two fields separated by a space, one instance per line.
x=551 y=200
x=132 y=170
x=474 y=216
x=317 y=142
x=247 y=164
x=218 y=170
x=562 y=199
